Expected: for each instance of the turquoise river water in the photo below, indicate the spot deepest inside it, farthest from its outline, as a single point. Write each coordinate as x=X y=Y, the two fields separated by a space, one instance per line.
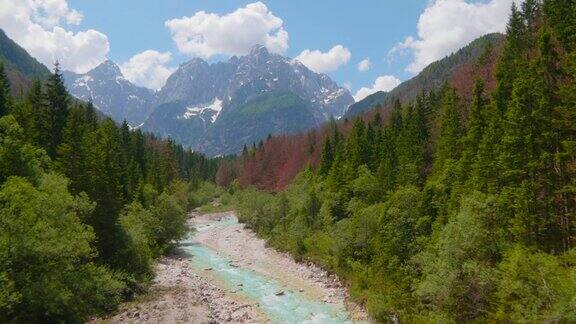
x=289 y=307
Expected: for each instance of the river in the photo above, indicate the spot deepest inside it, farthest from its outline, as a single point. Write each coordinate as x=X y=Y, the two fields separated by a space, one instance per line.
x=278 y=302
x=223 y=273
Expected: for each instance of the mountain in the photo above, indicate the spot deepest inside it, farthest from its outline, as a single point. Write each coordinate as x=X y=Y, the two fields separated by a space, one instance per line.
x=274 y=112
x=432 y=77
x=111 y=93
x=20 y=66
x=217 y=108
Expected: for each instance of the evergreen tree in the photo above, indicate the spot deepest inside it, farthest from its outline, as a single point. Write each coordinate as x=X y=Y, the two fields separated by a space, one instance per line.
x=72 y=156
x=387 y=167
x=448 y=146
x=41 y=119
x=564 y=123
x=5 y=98
x=106 y=189
x=511 y=58
x=57 y=100
x=327 y=157
x=91 y=116
x=562 y=18
x=396 y=121
x=356 y=148
x=476 y=128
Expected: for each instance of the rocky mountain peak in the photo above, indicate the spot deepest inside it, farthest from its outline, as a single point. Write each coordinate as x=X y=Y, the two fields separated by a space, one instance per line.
x=258 y=55
x=106 y=70
x=193 y=63
x=111 y=93
x=259 y=50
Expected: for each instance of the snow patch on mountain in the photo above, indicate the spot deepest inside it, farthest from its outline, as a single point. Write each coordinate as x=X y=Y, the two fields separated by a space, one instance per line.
x=213 y=109
x=111 y=93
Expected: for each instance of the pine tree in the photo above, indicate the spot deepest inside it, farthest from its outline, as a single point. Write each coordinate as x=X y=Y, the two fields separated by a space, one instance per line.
x=337 y=180
x=41 y=113
x=387 y=166
x=518 y=140
x=106 y=189
x=476 y=127
x=511 y=59
x=486 y=170
x=327 y=157
x=57 y=100
x=5 y=98
x=356 y=148
x=396 y=121
x=562 y=18
x=448 y=147
x=72 y=151
x=371 y=140
x=91 y=116
x=564 y=123
x=128 y=184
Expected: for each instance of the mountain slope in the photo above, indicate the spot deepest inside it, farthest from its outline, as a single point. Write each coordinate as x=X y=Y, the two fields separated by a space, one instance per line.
x=234 y=81
x=202 y=101
x=111 y=93
x=270 y=113
x=431 y=78
x=20 y=66
x=281 y=168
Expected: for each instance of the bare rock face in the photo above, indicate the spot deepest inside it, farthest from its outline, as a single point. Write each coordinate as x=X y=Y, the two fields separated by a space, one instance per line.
x=217 y=108
x=111 y=93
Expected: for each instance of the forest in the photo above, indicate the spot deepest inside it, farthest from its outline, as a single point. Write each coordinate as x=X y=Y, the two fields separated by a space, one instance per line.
x=458 y=207
x=86 y=205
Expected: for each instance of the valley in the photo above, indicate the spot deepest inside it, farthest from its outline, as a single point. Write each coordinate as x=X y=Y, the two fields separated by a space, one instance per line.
x=222 y=272
x=389 y=161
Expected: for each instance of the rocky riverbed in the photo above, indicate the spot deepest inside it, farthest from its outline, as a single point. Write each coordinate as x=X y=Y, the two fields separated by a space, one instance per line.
x=184 y=292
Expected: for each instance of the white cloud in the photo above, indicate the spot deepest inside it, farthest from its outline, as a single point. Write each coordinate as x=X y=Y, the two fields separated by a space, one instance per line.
x=49 y=13
x=382 y=83
x=207 y=34
x=447 y=25
x=148 y=69
x=324 y=62
x=36 y=25
x=364 y=65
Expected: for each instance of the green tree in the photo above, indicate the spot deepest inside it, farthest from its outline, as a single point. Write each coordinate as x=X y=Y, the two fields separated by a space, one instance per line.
x=172 y=218
x=477 y=125
x=104 y=173
x=5 y=98
x=57 y=100
x=458 y=278
x=46 y=270
x=534 y=287
x=327 y=157
x=72 y=152
x=449 y=144
x=17 y=156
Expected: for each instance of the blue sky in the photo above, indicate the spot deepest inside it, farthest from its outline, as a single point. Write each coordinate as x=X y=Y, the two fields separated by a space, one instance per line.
x=367 y=28
x=150 y=38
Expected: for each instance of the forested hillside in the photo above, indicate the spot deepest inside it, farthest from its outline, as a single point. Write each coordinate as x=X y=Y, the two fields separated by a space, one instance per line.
x=281 y=158
x=460 y=207
x=86 y=205
x=20 y=67
x=484 y=49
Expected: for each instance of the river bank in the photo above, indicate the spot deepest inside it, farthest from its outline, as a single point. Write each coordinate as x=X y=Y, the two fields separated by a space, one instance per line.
x=245 y=249
x=224 y=273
